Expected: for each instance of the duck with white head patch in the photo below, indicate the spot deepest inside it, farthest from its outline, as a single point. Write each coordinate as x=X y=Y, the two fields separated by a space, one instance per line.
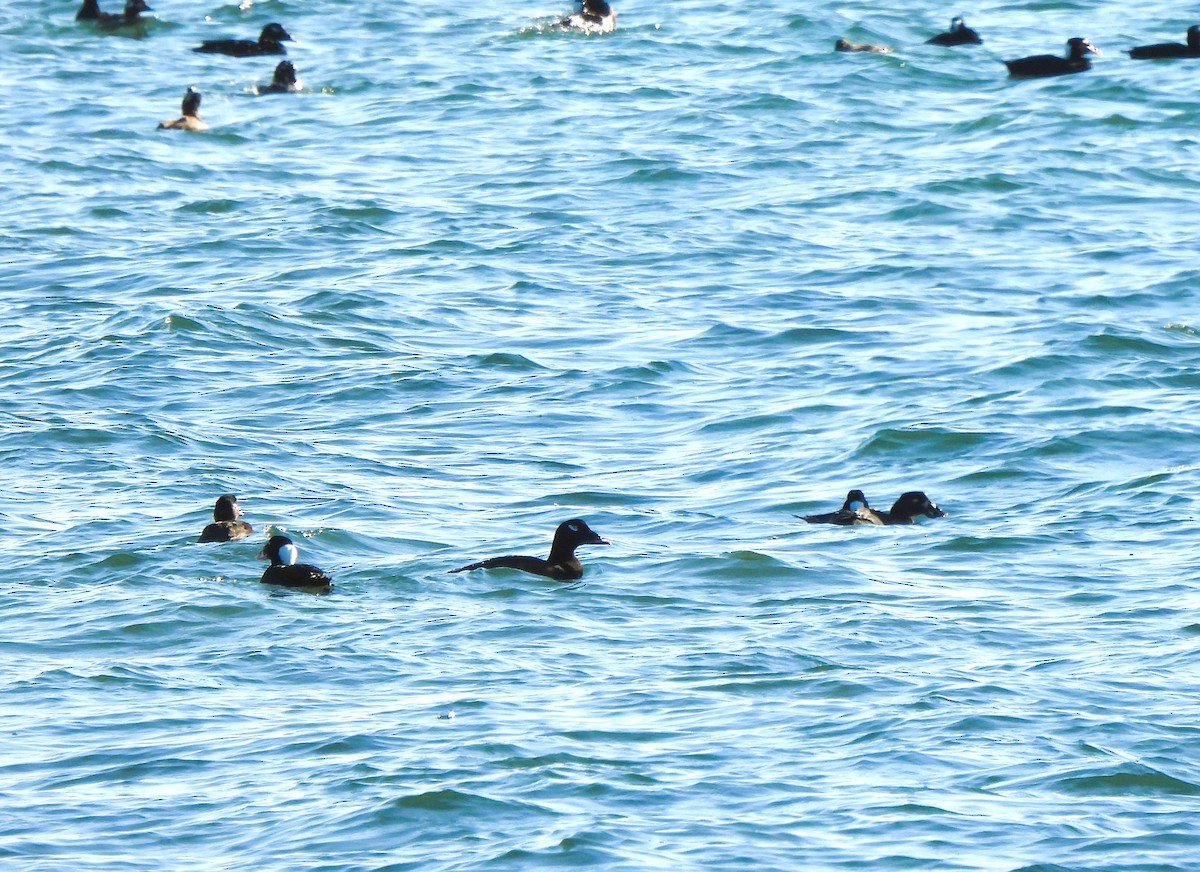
x=286 y=572
x=855 y=500
x=958 y=34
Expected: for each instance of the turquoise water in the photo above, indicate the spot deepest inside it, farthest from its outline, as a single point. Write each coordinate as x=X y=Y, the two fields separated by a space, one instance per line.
x=686 y=281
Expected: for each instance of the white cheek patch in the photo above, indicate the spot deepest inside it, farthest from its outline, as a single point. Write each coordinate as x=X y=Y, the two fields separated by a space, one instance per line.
x=288 y=554
x=856 y=505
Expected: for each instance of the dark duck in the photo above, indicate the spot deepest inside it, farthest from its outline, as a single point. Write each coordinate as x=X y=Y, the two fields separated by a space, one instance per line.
x=855 y=500
x=907 y=508
x=90 y=12
x=283 y=81
x=225 y=526
x=1170 y=49
x=958 y=34
x=270 y=42
x=190 y=119
x=286 y=572
x=561 y=565
x=593 y=16
x=1040 y=66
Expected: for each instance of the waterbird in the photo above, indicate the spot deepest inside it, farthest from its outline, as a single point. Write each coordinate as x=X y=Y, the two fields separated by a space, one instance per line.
x=905 y=510
x=1039 y=66
x=286 y=572
x=1170 y=49
x=593 y=16
x=190 y=119
x=855 y=500
x=270 y=41
x=225 y=526
x=958 y=34
x=561 y=565
x=283 y=81
x=846 y=45
x=131 y=15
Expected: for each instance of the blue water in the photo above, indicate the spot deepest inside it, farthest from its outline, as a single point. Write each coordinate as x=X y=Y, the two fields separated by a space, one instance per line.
x=687 y=281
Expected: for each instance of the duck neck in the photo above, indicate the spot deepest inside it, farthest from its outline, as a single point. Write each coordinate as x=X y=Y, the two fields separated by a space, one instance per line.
x=561 y=550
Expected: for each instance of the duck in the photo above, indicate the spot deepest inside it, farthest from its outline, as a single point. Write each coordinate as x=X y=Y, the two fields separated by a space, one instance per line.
x=958 y=34
x=190 y=119
x=270 y=42
x=225 y=526
x=593 y=16
x=1039 y=66
x=132 y=14
x=283 y=81
x=561 y=565
x=286 y=572
x=1170 y=49
x=905 y=510
x=855 y=500
x=846 y=45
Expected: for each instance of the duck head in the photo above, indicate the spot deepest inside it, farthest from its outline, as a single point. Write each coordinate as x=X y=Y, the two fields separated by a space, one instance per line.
x=280 y=551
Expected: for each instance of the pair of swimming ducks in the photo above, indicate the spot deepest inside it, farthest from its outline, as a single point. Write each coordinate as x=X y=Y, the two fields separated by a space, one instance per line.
x=1041 y=66
x=131 y=16
x=284 y=81
x=561 y=565
x=856 y=512
x=228 y=526
x=1078 y=48
x=270 y=40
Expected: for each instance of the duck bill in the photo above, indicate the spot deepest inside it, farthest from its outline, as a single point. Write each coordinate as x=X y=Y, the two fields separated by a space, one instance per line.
x=262 y=555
